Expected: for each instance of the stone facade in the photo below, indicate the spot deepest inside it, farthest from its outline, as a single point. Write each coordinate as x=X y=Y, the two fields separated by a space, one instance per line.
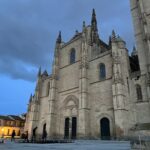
x=96 y=90
x=140 y=10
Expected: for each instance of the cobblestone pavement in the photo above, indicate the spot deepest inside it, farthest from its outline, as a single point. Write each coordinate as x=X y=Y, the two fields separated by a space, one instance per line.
x=77 y=145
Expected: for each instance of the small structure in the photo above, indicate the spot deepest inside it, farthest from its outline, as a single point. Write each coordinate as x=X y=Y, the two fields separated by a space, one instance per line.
x=11 y=123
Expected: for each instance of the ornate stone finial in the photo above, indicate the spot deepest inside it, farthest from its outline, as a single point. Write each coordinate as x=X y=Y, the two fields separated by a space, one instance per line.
x=45 y=73
x=113 y=36
x=76 y=32
x=109 y=41
x=59 y=38
x=83 y=25
x=39 y=72
x=93 y=11
x=94 y=21
x=119 y=38
x=94 y=29
x=84 y=29
x=93 y=16
x=134 y=51
x=30 y=99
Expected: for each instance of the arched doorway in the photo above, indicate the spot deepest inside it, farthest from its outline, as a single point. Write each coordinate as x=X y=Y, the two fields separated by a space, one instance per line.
x=70 y=129
x=74 y=128
x=105 y=129
x=66 y=135
x=70 y=111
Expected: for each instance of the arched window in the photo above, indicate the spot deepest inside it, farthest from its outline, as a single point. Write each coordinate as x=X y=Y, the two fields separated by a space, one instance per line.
x=102 y=71
x=139 y=92
x=72 y=56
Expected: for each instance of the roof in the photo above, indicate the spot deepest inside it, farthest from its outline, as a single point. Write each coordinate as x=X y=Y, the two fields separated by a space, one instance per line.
x=78 y=35
x=104 y=44
x=5 y=117
x=11 y=118
x=14 y=117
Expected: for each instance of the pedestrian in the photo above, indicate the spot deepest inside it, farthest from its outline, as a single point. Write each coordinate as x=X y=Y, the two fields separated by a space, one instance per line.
x=44 y=136
x=26 y=137
x=2 y=138
x=13 y=136
x=34 y=135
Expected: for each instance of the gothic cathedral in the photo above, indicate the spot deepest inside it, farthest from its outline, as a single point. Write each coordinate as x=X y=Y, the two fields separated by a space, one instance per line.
x=96 y=89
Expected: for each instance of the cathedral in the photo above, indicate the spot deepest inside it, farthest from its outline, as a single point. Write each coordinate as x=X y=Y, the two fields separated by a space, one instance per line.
x=96 y=89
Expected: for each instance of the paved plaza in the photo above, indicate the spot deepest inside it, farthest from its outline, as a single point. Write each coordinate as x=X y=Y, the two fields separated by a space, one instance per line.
x=77 y=145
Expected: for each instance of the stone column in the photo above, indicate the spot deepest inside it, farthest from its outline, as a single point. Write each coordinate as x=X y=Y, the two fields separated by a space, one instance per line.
x=118 y=86
x=83 y=125
x=53 y=91
x=52 y=112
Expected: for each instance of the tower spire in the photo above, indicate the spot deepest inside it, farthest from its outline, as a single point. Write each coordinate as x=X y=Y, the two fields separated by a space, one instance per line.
x=94 y=29
x=59 y=38
x=83 y=26
x=94 y=20
x=30 y=99
x=39 y=72
x=113 y=36
x=109 y=42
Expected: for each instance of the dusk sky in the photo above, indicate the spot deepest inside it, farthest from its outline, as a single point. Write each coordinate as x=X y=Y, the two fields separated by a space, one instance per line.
x=28 y=30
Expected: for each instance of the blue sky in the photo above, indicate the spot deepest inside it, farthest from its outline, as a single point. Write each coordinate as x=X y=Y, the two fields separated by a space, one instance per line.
x=28 y=30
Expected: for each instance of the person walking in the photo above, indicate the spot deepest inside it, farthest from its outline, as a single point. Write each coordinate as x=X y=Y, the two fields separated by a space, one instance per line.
x=26 y=137
x=44 y=136
x=2 y=138
x=13 y=136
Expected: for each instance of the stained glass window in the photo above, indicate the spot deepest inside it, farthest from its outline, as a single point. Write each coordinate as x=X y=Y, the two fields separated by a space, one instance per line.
x=102 y=71
x=72 y=56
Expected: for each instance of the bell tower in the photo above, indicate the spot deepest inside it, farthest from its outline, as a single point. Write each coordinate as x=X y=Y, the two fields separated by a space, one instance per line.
x=140 y=10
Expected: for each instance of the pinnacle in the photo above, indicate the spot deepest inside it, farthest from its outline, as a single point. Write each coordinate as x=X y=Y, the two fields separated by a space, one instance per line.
x=59 y=38
x=45 y=73
x=83 y=24
x=93 y=21
x=39 y=72
x=30 y=98
x=113 y=36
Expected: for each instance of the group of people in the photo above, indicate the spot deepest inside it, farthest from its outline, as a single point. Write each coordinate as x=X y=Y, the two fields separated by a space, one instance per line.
x=12 y=137
x=25 y=136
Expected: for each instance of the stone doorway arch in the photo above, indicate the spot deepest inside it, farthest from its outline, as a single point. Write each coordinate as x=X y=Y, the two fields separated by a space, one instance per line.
x=66 y=132
x=70 y=112
x=74 y=128
x=105 y=128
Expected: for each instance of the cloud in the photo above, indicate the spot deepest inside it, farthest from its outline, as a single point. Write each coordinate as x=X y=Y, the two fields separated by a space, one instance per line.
x=29 y=28
x=17 y=70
